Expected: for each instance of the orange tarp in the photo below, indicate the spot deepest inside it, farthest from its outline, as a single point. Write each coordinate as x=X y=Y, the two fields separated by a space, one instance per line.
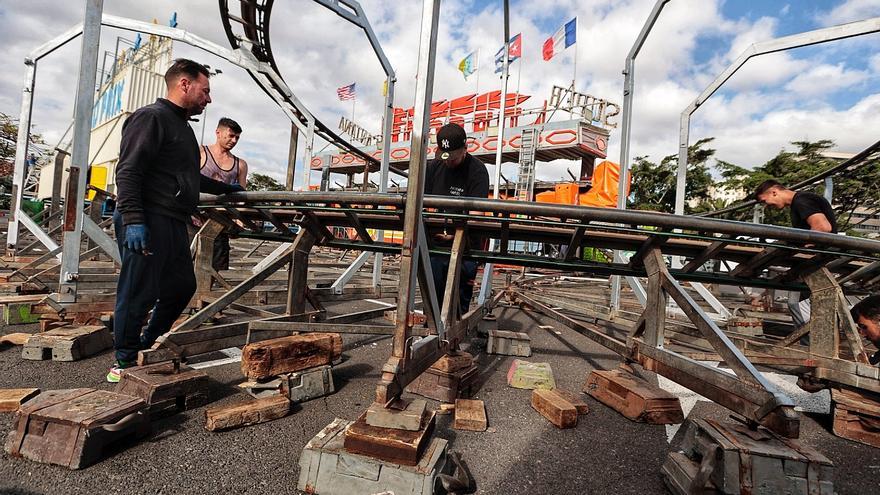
x=603 y=194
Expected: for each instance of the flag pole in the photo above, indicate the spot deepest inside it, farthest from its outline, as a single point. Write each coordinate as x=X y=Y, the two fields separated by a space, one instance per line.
x=575 y=64
x=474 y=116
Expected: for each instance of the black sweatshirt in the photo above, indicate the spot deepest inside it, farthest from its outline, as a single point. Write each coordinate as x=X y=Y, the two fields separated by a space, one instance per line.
x=158 y=168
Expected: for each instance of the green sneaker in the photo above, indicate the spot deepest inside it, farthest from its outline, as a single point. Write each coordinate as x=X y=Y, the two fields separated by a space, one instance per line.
x=116 y=371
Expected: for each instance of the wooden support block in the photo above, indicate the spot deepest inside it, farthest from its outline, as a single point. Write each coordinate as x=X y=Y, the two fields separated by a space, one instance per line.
x=453 y=361
x=573 y=399
x=509 y=343
x=77 y=427
x=633 y=397
x=247 y=413
x=444 y=387
x=14 y=339
x=470 y=415
x=523 y=374
x=19 y=314
x=856 y=417
x=68 y=343
x=12 y=398
x=389 y=444
x=270 y=358
x=404 y=415
x=555 y=408
x=446 y=409
x=163 y=389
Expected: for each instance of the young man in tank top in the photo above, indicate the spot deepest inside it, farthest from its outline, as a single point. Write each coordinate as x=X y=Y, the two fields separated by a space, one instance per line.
x=218 y=163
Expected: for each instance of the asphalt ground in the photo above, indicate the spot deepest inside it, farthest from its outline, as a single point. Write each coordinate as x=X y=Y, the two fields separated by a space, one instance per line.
x=522 y=453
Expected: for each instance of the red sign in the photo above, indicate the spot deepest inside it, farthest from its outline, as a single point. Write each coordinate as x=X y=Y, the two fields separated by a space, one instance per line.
x=483 y=107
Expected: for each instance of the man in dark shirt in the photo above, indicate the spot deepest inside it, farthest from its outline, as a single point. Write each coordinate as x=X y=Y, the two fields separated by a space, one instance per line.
x=809 y=211
x=158 y=185
x=866 y=315
x=455 y=172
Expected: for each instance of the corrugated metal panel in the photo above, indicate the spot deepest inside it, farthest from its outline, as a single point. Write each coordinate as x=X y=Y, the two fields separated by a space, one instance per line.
x=144 y=87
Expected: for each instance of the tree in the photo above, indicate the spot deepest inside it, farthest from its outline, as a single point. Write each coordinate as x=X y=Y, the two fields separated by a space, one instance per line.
x=854 y=189
x=8 y=142
x=261 y=182
x=653 y=185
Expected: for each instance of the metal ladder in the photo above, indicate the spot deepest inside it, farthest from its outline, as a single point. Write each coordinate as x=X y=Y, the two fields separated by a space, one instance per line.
x=525 y=179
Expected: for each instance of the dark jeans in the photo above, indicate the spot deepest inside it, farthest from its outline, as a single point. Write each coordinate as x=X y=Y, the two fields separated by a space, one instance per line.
x=163 y=282
x=440 y=268
x=221 y=252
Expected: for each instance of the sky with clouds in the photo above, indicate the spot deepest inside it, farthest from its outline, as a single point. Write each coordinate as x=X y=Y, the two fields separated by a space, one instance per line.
x=829 y=91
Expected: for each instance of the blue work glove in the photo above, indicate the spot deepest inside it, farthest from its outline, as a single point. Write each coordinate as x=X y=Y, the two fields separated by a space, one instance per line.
x=136 y=237
x=234 y=188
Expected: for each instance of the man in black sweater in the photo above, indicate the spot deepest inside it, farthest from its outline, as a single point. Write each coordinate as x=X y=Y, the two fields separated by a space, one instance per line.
x=455 y=172
x=157 y=188
x=809 y=211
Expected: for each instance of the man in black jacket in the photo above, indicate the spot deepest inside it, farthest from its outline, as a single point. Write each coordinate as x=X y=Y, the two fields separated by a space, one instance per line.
x=158 y=184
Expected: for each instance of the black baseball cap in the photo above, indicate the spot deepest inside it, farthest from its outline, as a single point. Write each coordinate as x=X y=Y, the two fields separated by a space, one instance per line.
x=450 y=137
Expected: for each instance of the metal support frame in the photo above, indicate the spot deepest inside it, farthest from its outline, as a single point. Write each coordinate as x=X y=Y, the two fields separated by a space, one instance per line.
x=807 y=38
x=629 y=79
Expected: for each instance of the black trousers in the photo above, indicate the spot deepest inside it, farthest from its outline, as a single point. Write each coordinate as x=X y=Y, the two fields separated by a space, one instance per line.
x=163 y=282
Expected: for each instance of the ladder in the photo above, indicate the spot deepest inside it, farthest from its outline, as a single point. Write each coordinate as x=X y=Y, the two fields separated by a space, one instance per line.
x=525 y=179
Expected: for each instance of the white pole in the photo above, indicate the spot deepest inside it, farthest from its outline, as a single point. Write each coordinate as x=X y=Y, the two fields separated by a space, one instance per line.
x=473 y=117
x=487 y=270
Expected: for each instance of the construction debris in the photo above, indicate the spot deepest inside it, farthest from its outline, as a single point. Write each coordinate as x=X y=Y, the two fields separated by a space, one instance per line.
x=269 y=358
x=856 y=416
x=445 y=386
x=578 y=403
x=509 y=343
x=328 y=467
x=11 y=399
x=555 y=408
x=401 y=415
x=14 y=339
x=19 y=314
x=247 y=413
x=165 y=386
x=300 y=386
x=68 y=343
x=732 y=459
x=523 y=374
x=389 y=444
x=75 y=427
x=470 y=415
x=633 y=397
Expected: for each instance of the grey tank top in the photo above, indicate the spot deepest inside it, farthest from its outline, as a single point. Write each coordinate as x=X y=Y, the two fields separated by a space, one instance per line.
x=212 y=169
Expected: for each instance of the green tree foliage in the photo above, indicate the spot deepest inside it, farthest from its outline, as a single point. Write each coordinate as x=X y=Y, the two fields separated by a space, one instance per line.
x=653 y=185
x=8 y=139
x=853 y=189
x=261 y=182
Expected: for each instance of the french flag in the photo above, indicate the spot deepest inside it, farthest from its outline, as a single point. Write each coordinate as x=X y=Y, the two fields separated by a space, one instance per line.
x=562 y=39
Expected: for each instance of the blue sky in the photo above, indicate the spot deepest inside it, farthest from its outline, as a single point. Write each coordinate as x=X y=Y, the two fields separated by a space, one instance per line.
x=830 y=91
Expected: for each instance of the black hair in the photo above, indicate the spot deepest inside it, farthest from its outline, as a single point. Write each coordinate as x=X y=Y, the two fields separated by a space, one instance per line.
x=184 y=66
x=868 y=308
x=229 y=124
x=766 y=186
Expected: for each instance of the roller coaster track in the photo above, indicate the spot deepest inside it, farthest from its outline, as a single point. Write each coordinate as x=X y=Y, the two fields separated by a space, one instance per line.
x=250 y=29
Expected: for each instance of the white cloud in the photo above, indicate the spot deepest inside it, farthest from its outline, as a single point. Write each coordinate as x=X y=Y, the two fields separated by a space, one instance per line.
x=850 y=11
x=824 y=79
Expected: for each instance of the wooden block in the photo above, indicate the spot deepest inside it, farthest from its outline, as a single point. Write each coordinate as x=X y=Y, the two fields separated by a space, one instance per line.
x=509 y=343
x=12 y=398
x=163 y=389
x=269 y=358
x=405 y=415
x=446 y=409
x=444 y=387
x=633 y=397
x=555 y=408
x=68 y=343
x=19 y=314
x=523 y=374
x=856 y=417
x=77 y=427
x=389 y=444
x=14 y=338
x=453 y=361
x=247 y=413
x=470 y=415
x=578 y=403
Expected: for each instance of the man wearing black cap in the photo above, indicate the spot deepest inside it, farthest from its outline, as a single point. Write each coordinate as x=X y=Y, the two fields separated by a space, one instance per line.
x=454 y=172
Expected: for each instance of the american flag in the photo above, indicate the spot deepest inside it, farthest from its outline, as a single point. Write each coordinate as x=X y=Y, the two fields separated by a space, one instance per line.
x=346 y=92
